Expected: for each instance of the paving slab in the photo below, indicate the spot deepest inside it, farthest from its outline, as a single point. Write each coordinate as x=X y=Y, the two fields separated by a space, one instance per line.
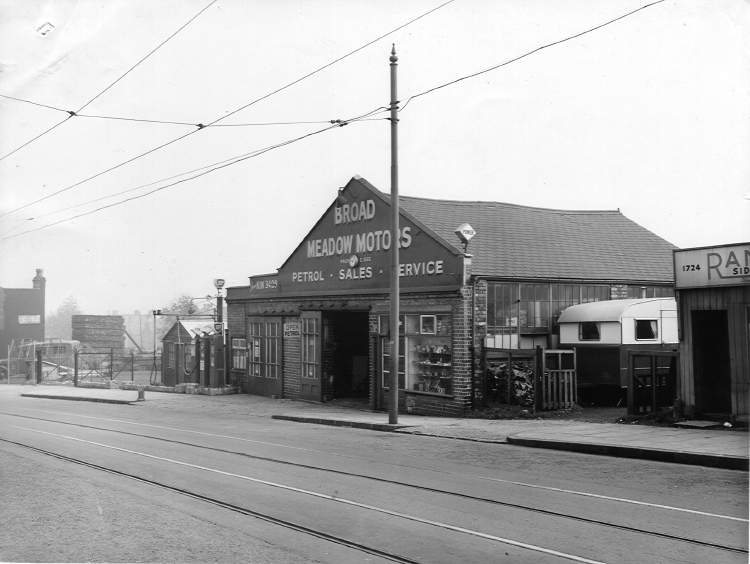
x=100 y=395
x=724 y=448
x=703 y=447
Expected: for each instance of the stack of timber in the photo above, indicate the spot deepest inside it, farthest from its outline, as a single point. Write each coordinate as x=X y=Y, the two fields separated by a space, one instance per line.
x=100 y=332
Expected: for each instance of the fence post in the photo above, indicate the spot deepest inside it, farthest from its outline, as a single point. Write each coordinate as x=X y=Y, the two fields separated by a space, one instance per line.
x=75 y=368
x=111 y=362
x=38 y=366
x=132 y=366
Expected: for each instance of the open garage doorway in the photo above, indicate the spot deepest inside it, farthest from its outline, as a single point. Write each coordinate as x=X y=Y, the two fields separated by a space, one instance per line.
x=713 y=395
x=345 y=356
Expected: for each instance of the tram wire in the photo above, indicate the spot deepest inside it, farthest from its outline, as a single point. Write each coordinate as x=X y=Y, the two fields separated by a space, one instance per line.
x=202 y=126
x=102 y=91
x=430 y=489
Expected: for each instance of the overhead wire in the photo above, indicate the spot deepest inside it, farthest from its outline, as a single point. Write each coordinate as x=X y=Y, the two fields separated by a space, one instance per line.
x=105 y=89
x=536 y=50
x=39 y=136
x=147 y=55
x=243 y=107
x=34 y=103
x=363 y=117
x=250 y=155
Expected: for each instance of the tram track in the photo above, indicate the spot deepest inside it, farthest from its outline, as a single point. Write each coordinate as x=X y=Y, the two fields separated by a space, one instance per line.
x=420 y=487
x=223 y=504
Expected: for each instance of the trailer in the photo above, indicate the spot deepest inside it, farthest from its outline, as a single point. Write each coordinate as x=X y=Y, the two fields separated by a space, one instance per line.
x=626 y=351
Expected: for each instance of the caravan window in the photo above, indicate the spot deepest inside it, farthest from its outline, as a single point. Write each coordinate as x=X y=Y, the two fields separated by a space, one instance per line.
x=588 y=331
x=646 y=329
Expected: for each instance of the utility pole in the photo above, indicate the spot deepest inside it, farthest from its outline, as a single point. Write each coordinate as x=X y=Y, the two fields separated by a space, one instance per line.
x=395 y=236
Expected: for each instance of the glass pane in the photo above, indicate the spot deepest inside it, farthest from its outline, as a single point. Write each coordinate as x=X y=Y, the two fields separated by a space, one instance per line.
x=646 y=329
x=443 y=324
x=412 y=324
x=588 y=331
x=430 y=365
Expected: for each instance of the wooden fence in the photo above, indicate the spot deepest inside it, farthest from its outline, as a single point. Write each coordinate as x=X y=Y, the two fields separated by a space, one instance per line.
x=544 y=379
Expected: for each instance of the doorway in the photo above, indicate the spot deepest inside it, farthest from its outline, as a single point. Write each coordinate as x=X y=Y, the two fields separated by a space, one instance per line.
x=345 y=359
x=711 y=362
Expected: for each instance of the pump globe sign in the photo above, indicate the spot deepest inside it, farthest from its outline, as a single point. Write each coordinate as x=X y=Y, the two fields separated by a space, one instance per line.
x=727 y=265
x=349 y=249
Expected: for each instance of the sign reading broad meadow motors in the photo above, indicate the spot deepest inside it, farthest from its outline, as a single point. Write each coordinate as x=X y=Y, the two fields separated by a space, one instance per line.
x=712 y=266
x=349 y=249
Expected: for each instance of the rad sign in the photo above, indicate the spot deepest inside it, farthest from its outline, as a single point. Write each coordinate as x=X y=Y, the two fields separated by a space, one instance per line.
x=705 y=267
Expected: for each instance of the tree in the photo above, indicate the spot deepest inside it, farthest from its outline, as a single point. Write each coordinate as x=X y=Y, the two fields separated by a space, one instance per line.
x=59 y=324
x=187 y=306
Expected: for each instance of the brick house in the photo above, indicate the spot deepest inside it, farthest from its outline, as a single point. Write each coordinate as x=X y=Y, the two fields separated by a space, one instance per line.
x=22 y=313
x=317 y=328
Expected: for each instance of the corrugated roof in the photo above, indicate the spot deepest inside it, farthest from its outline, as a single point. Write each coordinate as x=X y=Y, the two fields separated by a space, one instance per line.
x=524 y=242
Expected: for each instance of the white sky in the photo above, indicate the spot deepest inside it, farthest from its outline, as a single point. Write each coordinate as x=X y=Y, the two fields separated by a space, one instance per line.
x=650 y=115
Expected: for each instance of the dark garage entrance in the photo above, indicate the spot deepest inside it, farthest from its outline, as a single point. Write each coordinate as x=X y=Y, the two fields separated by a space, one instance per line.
x=345 y=354
x=711 y=362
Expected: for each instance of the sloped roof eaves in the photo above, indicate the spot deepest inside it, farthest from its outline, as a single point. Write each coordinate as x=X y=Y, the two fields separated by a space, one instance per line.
x=523 y=242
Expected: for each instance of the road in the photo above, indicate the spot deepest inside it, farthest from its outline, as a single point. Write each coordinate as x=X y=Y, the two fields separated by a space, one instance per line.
x=196 y=482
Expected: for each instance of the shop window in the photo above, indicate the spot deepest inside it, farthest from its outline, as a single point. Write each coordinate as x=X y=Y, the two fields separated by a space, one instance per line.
x=646 y=329
x=239 y=354
x=386 y=347
x=427 y=325
x=310 y=349
x=588 y=331
x=263 y=347
x=424 y=363
x=272 y=357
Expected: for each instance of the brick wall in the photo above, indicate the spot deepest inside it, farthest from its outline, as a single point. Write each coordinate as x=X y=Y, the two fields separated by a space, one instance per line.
x=480 y=334
x=458 y=305
x=618 y=291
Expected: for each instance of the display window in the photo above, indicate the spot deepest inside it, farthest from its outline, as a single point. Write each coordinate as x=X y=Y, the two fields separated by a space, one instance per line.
x=425 y=355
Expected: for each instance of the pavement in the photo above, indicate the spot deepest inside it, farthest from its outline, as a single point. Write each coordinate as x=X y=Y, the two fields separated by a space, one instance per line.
x=697 y=445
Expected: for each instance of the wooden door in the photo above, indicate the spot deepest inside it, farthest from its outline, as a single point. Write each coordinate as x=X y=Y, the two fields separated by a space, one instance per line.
x=310 y=386
x=264 y=356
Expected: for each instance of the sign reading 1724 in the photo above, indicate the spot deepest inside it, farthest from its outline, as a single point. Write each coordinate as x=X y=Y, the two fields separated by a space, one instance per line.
x=713 y=266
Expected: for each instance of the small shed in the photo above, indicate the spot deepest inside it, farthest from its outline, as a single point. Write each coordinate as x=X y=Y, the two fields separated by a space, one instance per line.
x=713 y=293
x=624 y=347
x=181 y=350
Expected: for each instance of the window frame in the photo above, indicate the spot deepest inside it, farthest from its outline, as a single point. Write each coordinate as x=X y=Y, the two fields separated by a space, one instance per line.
x=590 y=324
x=654 y=328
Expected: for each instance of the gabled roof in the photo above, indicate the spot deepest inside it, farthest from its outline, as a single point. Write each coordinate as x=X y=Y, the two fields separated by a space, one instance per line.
x=523 y=242
x=190 y=329
x=612 y=310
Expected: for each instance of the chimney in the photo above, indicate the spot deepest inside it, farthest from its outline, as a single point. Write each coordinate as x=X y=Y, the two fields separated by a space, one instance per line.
x=40 y=283
x=39 y=280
